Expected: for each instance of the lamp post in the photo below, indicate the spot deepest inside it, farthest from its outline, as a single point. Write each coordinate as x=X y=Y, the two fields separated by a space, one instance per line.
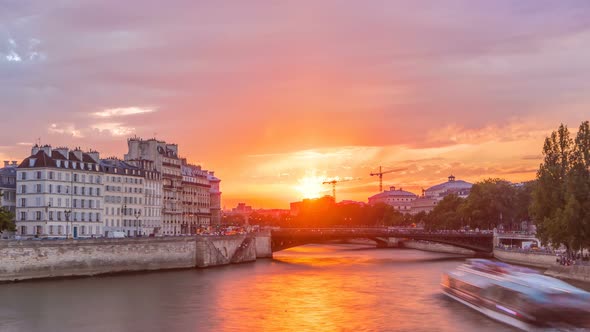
x=47 y=219
x=123 y=214
x=137 y=214
x=198 y=219
x=67 y=214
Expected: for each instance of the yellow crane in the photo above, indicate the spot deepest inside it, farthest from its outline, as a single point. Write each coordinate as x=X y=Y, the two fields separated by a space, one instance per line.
x=380 y=174
x=333 y=183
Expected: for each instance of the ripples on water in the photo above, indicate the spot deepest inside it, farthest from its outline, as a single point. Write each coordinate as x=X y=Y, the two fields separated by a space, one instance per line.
x=309 y=288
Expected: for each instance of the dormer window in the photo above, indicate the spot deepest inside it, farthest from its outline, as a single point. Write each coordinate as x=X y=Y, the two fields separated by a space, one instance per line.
x=58 y=163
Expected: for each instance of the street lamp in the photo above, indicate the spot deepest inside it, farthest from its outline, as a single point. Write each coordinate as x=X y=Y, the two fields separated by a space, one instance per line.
x=137 y=214
x=67 y=214
x=47 y=218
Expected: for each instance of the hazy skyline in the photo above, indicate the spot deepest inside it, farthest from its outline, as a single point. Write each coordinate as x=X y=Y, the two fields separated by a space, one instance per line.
x=276 y=96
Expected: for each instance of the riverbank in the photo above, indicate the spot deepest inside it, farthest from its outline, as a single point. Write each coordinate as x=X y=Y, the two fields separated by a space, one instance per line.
x=436 y=247
x=546 y=262
x=24 y=260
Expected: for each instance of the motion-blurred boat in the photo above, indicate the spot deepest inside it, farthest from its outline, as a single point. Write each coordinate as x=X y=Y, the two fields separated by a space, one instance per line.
x=517 y=296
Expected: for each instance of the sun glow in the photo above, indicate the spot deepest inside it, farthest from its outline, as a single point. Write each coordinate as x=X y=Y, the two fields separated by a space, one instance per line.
x=310 y=186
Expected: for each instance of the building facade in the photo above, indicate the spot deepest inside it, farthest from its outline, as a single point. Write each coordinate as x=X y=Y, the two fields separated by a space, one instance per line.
x=401 y=200
x=59 y=193
x=8 y=186
x=196 y=198
x=153 y=189
x=452 y=186
x=215 y=204
x=166 y=162
x=124 y=199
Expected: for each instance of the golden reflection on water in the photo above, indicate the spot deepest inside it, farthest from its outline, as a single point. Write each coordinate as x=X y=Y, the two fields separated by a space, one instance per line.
x=324 y=293
x=314 y=299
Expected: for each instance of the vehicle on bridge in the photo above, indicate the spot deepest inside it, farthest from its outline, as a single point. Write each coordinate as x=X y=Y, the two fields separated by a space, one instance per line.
x=518 y=297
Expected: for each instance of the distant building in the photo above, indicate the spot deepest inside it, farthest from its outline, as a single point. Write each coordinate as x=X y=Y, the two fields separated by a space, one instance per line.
x=242 y=208
x=452 y=186
x=296 y=207
x=215 y=193
x=400 y=200
x=423 y=204
x=8 y=186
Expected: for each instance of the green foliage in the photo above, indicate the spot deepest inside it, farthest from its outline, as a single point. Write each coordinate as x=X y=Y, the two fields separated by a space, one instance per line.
x=6 y=220
x=490 y=203
x=561 y=197
x=446 y=214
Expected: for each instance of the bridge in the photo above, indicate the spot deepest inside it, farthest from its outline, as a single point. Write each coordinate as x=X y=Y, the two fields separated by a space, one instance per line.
x=292 y=237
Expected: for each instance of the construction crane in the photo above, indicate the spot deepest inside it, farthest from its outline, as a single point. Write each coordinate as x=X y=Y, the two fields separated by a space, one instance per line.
x=380 y=174
x=333 y=183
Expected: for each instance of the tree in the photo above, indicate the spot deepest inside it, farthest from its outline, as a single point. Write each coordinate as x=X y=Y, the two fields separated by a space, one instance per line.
x=576 y=212
x=491 y=202
x=560 y=203
x=445 y=214
x=6 y=219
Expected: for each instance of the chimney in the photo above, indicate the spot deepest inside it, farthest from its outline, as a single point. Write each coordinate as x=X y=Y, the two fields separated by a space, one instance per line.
x=392 y=188
x=34 y=150
x=6 y=163
x=14 y=163
x=47 y=150
x=78 y=153
x=64 y=152
x=94 y=155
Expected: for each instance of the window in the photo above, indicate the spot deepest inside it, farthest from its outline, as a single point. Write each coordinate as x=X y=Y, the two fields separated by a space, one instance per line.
x=23 y=175
x=50 y=215
x=38 y=215
x=75 y=177
x=23 y=216
x=51 y=175
x=23 y=188
x=50 y=188
x=23 y=202
x=59 y=215
x=59 y=188
x=59 y=201
x=38 y=174
x=51 y=229
x=83 y=191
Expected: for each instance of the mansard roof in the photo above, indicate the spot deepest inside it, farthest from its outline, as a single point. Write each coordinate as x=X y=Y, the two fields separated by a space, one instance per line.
x=41 y=159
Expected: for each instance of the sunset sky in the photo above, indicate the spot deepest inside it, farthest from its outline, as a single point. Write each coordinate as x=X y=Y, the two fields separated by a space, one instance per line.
x=278 y=96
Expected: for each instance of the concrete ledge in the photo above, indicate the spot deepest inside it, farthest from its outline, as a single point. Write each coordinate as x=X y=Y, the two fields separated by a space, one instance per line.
x=437 y=247
x=33 y=259
x=576 y=272
x=523 y=258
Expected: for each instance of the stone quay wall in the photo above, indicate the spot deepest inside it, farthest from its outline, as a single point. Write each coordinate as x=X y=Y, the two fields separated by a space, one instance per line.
x=525 y=258
x=31 y=259
x=437 y=247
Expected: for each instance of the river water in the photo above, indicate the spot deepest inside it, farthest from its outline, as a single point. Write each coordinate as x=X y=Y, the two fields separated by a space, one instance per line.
x=309 y=288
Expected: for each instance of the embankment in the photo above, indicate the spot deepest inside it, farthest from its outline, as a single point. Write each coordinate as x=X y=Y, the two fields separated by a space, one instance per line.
x=21 y=260
x=525 y=258
x=436 y=247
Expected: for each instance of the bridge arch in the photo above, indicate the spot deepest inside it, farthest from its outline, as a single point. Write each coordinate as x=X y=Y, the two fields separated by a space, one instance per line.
x=289 y=238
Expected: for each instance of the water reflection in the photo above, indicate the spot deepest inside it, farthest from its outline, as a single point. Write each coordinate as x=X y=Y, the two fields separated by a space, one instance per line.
x=310 y=288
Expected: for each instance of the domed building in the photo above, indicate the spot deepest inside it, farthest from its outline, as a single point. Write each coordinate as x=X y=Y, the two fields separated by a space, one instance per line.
x=400 y=200
x=457 y=187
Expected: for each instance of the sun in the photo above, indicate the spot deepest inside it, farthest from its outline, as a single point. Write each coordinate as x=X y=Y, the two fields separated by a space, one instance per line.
x=310 y=186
